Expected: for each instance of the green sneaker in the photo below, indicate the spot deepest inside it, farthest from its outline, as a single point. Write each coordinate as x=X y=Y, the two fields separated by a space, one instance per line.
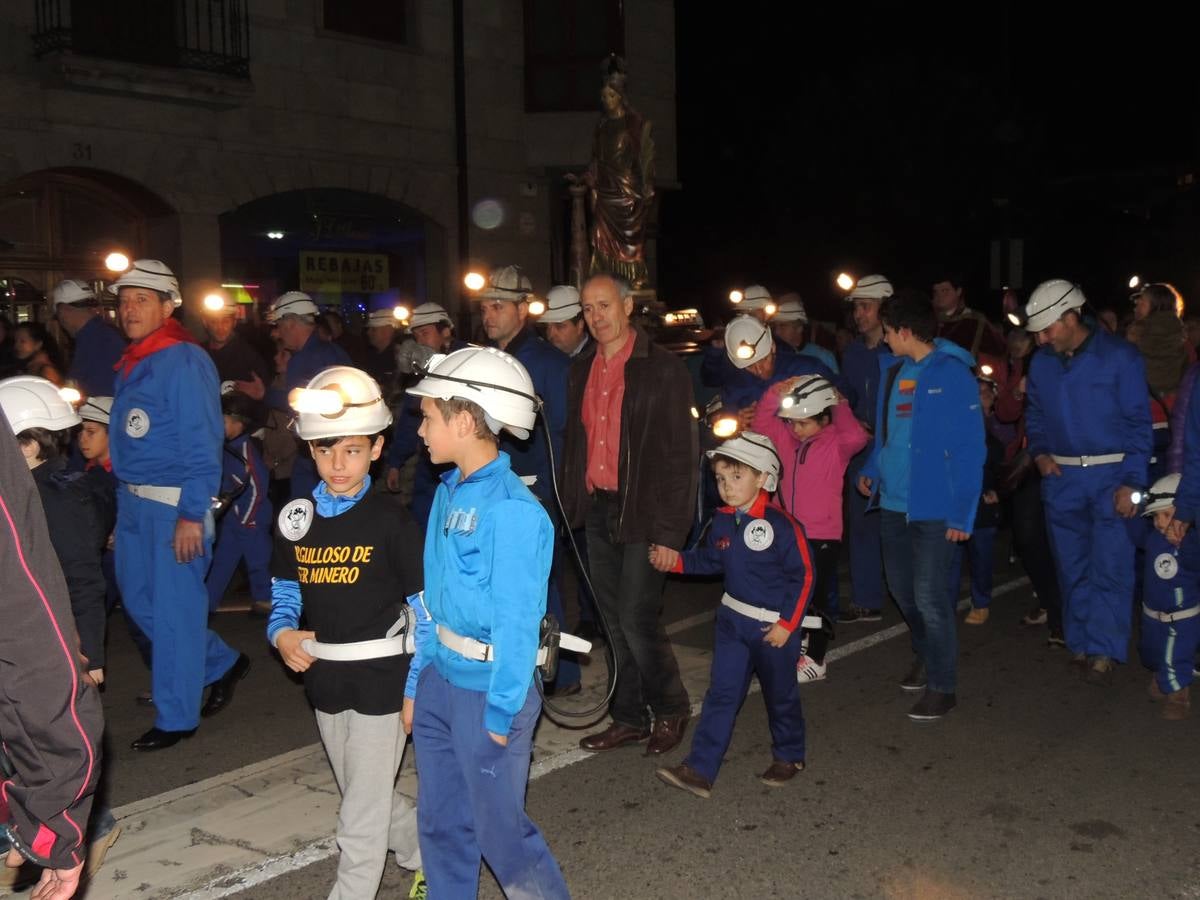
x=419 y=890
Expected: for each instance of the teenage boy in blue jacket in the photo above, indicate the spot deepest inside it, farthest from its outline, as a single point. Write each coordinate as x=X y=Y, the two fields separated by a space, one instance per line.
x=926 y=471
x=470 y=699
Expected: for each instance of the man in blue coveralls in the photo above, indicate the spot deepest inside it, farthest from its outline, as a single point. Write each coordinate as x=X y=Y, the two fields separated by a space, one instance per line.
x=294 y=316
x=1088 y=424
x=98 y=345
x=165 y=438
x=504 y=308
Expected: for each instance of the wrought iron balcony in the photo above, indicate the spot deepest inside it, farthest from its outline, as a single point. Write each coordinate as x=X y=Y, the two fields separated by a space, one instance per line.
x=208 y=35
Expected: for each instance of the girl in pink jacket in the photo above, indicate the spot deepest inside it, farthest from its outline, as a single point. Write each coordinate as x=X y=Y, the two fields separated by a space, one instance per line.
x=816 y=434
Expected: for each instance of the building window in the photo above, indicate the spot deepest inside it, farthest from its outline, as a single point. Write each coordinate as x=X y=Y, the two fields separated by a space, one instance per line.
x=379 y=20
x=566 y=42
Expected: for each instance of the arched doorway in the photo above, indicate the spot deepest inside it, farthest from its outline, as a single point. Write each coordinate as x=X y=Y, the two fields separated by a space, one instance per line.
x=352 y=251
x=62 y=223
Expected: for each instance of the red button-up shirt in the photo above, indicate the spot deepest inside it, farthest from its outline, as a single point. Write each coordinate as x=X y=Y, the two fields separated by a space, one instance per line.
x=602 y=416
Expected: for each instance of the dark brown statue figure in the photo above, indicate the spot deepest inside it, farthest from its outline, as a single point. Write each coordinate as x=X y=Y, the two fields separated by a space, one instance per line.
x=620 y=182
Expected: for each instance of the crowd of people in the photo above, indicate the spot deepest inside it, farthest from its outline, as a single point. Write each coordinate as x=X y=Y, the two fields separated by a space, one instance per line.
x=167 y=462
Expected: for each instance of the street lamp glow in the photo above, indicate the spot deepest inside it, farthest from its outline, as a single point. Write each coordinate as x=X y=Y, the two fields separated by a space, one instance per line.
x=116 y=262
x=474 y=281
x=845 y=281
x=536 y=307
x=736 y=296
x=1135 y=282
x=275 y=235
x=214 y=302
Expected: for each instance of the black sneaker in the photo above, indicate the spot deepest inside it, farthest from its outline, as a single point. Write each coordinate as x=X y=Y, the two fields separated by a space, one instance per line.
x=915 y=680
x=859 y=614
x=932 y=705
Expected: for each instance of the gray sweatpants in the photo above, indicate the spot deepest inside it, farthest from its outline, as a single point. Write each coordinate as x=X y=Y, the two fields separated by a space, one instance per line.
x=365 y=753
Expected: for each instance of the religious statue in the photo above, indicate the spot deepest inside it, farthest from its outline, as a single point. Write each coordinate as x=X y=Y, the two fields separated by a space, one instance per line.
x=620 y=182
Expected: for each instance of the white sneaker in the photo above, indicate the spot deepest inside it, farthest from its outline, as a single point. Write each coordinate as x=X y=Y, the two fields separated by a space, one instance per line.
x=808 y=670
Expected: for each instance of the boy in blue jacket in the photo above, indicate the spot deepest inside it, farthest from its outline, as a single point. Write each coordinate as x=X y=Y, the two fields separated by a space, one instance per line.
x=926 y=471
x=471 y=700
x=769 y=578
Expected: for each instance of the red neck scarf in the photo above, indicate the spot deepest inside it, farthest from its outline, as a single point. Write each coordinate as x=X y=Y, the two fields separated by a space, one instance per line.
x=161 y=338
x=92 y=464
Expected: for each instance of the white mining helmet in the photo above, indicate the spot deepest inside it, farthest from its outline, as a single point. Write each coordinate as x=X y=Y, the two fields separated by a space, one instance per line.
x=562 y=304
x=747 y=341
x=32 y=402
x=429 y=314
x=1160 y=496
x=811 y=396
x=1047 y=304
x=96 y=409
x=755 y=450
x=152 y=274
x=339 y=402
x=506 y=283
x=293 y=303
x=871 y=287
x=755 y=297
x=488 y=377
x=791 y=309
x=72 y=291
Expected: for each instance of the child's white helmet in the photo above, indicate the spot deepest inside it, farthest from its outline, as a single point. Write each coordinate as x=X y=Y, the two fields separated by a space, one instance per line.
x=755 y=450
x=1161 y=494
x=152 y=274
x=32 y=402
x=489 y=377
x=810 y=397
x=96 y=409
x=339 y=401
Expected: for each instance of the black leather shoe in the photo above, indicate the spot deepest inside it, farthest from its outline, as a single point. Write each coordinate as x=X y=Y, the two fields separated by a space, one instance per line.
x=157 y=739
x=221 y=691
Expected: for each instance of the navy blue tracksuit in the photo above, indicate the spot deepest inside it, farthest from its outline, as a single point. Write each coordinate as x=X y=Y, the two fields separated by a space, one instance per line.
x=1171 y=585
x=245 y=529
x=765 y=558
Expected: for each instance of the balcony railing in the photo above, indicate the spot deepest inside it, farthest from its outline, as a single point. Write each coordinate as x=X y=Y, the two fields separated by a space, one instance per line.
x=209 y=35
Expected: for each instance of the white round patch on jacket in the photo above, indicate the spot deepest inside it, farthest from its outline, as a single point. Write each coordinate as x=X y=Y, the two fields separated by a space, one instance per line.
x=137 y=423
x=759 y=535
x=295 y=519
x=1166 y=566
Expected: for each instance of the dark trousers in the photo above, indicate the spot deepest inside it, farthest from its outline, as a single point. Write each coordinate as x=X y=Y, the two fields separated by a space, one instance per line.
x=825 y=560
x=1032 y=545
x=630 y=595
x=866 y=553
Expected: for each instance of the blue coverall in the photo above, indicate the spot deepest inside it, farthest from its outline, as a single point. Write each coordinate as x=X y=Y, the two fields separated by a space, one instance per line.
x=1170 y=585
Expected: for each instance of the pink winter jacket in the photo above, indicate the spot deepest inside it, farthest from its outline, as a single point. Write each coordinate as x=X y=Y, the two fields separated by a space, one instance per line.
x=810 y=486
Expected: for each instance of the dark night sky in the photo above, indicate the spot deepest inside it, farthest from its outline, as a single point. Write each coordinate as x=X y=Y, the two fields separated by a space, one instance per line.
x=905 y=141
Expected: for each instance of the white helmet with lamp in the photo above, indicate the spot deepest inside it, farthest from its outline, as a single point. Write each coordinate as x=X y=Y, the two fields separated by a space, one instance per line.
x=810 y=397
x=386 y=317
x=293 y=303
x=32 y=402
x=756 y=297
x=1161 y=494
x=755 y=450
x=220 y=303
x=791 y=309
x=96 y=409
x=151 y=274
x=1047 y=304
x=506 y=283
x=72 y=291
x=340 y=401
x=871 y=287
x=747 y=341
x=562 y=305
x=429 y=314
x=497 y=382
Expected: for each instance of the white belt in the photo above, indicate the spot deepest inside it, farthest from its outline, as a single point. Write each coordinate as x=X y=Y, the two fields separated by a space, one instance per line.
x=1103 y=459
x=167 y=495
x=400 y=640
x=1170 y=617
x=761 y=614
x=481 y=652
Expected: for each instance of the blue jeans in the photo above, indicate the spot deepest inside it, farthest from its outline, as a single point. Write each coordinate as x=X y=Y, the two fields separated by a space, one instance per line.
x=978 y=552
x=916 y=556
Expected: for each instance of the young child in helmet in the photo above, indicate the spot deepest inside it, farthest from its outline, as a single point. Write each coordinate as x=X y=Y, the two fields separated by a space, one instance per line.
x=43 y=422
x=817 y=434
x=345 y=558
x=245 y=528
x=471 y=697
x=769 y=580
x=1170 y=600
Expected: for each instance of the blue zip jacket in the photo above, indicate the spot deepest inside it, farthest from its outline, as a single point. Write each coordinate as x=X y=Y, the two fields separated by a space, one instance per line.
x=166 y=427
x=487 y=563
x=1092 y=403
x=306 y=362
x=98 y=346
x=947 y=447
x=769 y=566
x=860 y=369
x=547 y=366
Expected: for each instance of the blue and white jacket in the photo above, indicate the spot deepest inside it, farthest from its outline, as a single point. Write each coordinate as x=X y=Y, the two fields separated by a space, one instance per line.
x=487 y=564
x=242 y=464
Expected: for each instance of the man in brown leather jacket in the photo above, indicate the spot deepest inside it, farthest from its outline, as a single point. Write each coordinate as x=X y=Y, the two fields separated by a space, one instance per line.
x=629 y=476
